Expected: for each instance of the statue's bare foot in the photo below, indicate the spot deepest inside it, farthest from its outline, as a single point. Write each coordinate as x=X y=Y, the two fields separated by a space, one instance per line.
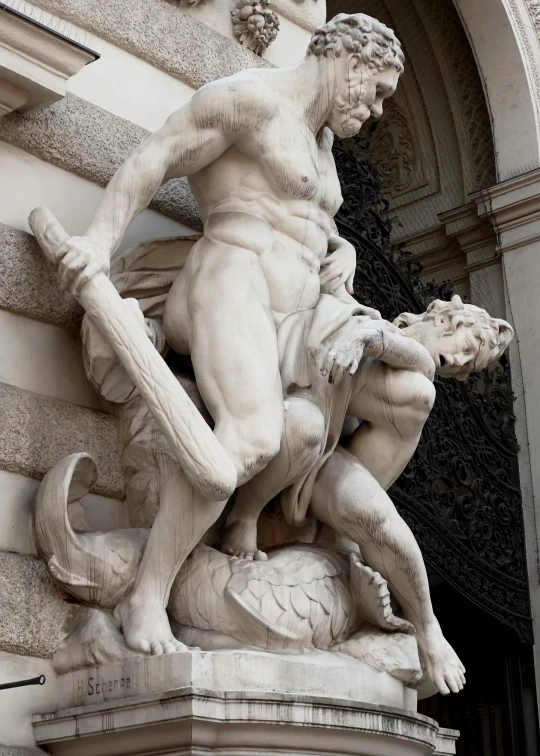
x=240 y=540
x=440 y=660
x=146 y=627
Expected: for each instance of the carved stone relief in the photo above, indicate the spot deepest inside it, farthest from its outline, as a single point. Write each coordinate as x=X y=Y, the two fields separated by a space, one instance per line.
x=395 y=146
x=528 y=45
x=255 y=25
x=401 y=141
x=534 y=12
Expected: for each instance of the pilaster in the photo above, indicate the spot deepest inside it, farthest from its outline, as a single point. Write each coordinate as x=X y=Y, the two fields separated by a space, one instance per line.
x=513 y=207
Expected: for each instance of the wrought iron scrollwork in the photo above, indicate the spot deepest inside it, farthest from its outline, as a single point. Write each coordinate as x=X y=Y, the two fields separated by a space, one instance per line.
x=460 y=493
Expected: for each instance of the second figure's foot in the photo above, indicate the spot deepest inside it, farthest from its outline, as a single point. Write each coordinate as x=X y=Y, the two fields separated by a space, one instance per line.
x=240 y=540
x=146 y=627
x=440 y=660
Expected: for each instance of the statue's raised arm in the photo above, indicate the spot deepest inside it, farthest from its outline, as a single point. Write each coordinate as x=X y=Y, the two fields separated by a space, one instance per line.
x=192 y=137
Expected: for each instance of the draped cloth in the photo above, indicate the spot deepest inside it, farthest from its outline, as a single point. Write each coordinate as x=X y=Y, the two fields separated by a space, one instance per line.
x=146 y=273
x=304 y=338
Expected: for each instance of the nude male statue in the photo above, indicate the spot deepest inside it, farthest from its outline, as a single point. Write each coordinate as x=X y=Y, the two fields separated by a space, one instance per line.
x=385 y=372
x=256 y=148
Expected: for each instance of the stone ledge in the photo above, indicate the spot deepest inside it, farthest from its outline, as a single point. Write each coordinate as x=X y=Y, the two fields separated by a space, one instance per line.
x=36 y=431
x=161 y=34
x=87 y=140
x=195 y=720
x=29 y=285
x=33 y=609
x=311 y=676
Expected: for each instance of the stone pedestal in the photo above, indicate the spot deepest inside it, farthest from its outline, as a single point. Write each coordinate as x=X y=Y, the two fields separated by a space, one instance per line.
x=238 y=704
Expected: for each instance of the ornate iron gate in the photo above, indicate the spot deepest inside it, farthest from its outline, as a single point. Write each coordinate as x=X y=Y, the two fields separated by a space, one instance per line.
x=460 y=493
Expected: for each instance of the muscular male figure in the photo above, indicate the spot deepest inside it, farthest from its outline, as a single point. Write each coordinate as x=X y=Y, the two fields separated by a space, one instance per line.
x=256 y=148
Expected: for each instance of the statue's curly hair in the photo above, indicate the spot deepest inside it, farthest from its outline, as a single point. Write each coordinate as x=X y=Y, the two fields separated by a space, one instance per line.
x=375 y=43
x=493 y=334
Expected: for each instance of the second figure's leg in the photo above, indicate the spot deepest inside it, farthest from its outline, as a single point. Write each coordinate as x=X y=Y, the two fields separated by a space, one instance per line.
x=348 y=498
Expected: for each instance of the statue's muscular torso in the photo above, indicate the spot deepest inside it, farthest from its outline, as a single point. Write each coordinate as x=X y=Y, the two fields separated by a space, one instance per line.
x=270 y=197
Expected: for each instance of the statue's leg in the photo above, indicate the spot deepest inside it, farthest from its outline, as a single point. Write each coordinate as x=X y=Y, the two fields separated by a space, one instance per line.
x=302 y=442
x=394 y=406
x=233 y=347
x=183 y=517
x=348 y=498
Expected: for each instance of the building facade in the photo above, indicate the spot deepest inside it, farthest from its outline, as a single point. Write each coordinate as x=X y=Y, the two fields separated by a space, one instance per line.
x=82 y=83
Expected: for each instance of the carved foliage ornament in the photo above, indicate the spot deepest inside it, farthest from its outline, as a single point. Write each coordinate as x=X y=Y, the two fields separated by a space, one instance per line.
x=460 y=493
x=254 y=24
x=534 y=12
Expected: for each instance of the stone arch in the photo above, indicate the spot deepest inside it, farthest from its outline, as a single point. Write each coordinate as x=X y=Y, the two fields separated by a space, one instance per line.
x=504 y=38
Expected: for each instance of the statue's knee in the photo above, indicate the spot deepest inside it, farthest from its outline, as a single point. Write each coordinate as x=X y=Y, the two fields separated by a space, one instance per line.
x=304 y=423
x=411 y=416
x=415 y=419
x=258 y=450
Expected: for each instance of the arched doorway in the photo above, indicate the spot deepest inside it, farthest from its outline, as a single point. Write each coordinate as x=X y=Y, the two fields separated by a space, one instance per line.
x=445 y=140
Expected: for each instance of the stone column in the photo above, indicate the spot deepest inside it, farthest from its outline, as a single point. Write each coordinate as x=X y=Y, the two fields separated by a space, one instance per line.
x=513 y=207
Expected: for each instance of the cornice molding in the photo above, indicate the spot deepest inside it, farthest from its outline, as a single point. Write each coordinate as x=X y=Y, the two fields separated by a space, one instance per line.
x=35 y=62
x=513 y=207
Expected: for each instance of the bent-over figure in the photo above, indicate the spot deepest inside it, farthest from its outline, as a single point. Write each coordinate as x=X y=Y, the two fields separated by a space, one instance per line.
x=384 y=375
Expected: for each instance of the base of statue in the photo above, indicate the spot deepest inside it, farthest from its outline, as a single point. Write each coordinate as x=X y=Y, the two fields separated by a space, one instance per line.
x=238 y=703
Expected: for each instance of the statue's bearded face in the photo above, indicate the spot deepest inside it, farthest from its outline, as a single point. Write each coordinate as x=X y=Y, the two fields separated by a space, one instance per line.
x=360 y=96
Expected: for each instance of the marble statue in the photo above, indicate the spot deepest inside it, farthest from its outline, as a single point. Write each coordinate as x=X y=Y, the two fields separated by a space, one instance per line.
x=296 y=390
x=310 y=595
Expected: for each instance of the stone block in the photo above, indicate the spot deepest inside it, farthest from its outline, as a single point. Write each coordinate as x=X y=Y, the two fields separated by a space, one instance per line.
x=29 y=285
x=18 y=704
x=446 y=742
x=44 y=358
x=33 y=609
x=36 y=431
x=87 y=140
x=178 y=44
x=318 y=673
x=227 y=702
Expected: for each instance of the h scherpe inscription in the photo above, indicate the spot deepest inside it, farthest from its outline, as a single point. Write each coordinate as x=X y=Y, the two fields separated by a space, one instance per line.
x=95 y=686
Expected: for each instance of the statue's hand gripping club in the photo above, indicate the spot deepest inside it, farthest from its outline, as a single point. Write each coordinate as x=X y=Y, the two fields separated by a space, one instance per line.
x=202 y=458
